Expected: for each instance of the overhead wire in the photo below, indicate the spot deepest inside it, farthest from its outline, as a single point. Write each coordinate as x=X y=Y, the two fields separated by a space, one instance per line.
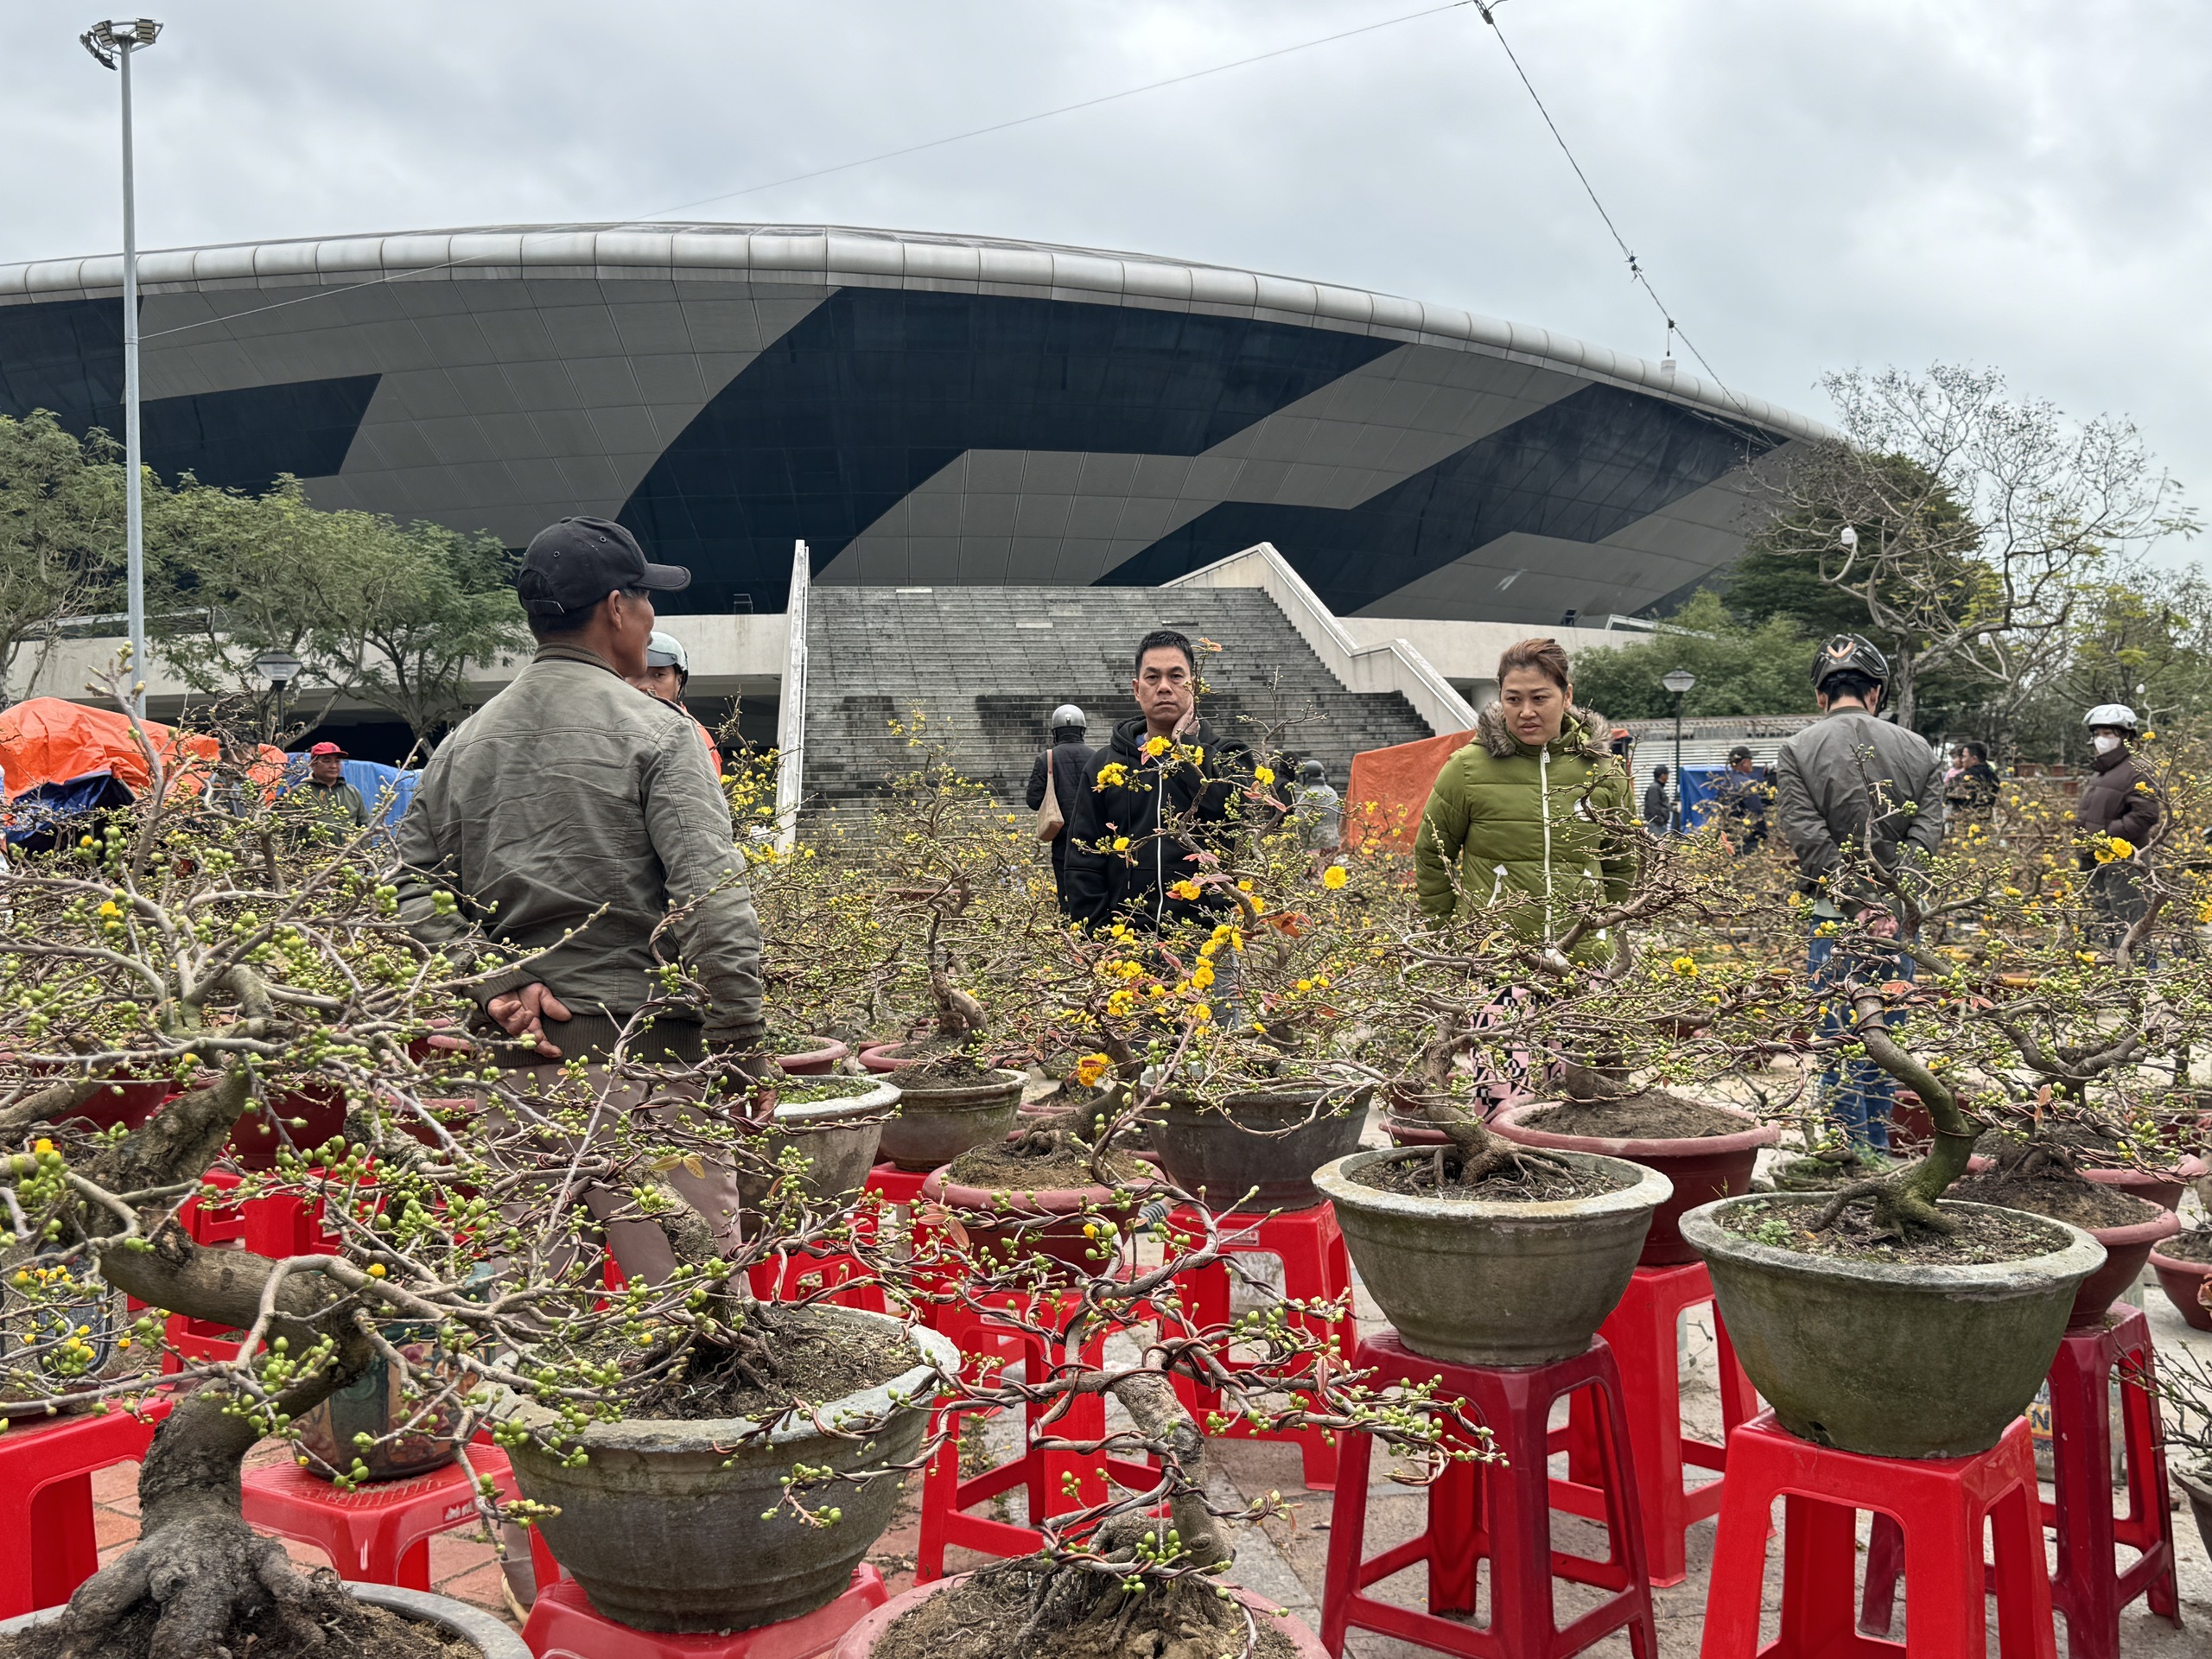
x=858 y=161
x=1489 y=9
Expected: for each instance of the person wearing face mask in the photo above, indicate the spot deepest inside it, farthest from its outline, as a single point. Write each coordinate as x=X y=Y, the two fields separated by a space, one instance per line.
x=2115 y=801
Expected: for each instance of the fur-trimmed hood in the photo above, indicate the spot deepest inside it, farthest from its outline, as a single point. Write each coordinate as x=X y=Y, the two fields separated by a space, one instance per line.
x=1577 y=735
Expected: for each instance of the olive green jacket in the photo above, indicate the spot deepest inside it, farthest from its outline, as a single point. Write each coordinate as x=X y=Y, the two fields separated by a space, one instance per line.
x=568 y=816
x=1554 y=826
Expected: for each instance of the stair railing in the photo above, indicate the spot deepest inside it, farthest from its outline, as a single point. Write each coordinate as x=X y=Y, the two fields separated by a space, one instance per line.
x=791 y=712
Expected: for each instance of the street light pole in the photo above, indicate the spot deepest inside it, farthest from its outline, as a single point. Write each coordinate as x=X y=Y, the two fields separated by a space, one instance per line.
x=111 y=44
x=1678 y=681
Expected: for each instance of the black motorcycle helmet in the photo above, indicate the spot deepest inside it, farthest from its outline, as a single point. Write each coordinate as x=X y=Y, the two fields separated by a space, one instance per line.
x=1847 y=653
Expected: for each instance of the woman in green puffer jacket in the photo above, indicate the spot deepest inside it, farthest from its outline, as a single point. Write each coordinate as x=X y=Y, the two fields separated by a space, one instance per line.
x=1533 y=815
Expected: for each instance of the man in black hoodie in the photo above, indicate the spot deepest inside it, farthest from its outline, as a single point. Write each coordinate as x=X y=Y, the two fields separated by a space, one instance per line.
x=1125 y=857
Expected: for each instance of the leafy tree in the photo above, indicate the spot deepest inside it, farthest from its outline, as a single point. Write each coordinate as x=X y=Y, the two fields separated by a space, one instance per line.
x=1740 y=669
x=386 y=614
x=1966 y=525
x=60 y=535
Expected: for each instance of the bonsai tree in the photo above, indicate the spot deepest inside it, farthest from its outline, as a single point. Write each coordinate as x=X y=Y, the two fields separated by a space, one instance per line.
x=182 y=939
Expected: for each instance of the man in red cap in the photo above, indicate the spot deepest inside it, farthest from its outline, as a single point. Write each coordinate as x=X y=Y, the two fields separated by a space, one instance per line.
x=330 y=799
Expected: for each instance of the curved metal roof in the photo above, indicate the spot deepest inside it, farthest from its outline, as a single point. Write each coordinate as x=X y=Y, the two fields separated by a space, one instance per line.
x=836 y=255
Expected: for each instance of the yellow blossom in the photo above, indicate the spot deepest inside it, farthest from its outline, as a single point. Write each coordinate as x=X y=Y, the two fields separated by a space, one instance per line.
x=1185 y=890
x=1113 y=774
x=1120 y=843
x=1304 y=984
x=1685 y=966
x=1334 y=877
x=1263 y=774
x=110 y=908
x=1091 y=1068
x=1202 y=975
x=1202 y=1014
x=1154 y=748
x=1121 y=1003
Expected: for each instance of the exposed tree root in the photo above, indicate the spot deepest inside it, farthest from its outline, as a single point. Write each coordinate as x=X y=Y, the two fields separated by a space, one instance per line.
x=207 y=1572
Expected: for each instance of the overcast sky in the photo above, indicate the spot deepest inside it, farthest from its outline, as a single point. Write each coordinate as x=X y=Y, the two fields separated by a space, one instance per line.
x=2022 y=183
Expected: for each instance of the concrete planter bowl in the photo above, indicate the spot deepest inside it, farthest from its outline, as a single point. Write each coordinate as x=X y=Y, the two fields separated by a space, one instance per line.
x=1890 y=1361
x=935 y=1123
x=2196 y=1483
x=839 y=1136
x=1700 y=1169
x=1488 y=1281
x=1272 y=1142
x=491 y=1638
x=662 y=1525
x=860 y=1641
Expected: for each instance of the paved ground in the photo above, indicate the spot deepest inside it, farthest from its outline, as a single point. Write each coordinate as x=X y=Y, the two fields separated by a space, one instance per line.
x=1286 y=1560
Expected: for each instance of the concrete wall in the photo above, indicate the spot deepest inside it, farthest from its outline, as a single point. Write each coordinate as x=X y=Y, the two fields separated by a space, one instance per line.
x=1466 y=653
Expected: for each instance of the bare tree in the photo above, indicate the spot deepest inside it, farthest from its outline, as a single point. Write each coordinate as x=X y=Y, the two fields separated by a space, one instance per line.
x=1968 y=522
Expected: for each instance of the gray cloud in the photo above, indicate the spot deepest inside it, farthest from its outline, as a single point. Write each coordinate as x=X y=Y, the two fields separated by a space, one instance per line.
x=2017 y=182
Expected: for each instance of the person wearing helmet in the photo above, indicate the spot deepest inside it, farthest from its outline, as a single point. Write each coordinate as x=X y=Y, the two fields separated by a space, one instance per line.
x=1066 y=758
x=2116 y=802
x=1855 y=796
x=668 y=671
x=1317 y=812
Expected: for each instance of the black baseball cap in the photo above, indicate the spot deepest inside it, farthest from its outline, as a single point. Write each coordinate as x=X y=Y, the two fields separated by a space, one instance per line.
x=578 y=561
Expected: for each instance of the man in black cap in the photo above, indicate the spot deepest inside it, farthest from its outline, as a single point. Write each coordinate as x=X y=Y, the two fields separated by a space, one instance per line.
x=570 y=816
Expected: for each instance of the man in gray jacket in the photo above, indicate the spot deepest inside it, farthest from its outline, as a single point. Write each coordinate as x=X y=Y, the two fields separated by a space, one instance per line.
x=1851 y=791
x=573 y=812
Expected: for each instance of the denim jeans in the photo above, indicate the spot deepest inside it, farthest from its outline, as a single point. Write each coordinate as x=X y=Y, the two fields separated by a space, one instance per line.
x=1858 y=1092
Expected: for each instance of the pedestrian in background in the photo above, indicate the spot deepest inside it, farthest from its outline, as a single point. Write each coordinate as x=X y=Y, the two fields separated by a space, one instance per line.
x=1853 y=791
x=1970 y=787
x=1059 y=769
x=2115 y=802
x=1317 y=813
x=668 y=672
x=330 y=802
x=1742 y=799
x=1658 y=809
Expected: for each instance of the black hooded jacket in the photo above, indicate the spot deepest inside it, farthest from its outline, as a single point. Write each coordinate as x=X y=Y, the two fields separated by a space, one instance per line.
x=1203 y=806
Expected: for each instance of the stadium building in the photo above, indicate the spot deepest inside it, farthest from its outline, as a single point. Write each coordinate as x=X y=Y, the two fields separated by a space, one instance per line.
x=1056 y=426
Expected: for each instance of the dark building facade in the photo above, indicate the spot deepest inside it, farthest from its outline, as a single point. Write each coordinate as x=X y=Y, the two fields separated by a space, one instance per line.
x=923 y=409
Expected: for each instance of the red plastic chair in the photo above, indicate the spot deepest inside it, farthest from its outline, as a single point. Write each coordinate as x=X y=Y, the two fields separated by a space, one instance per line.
x=2087 y=1585
x=563 y=1624
x=380 y=1532
x=1641 y=1334
x=1055 y=1482
x=1315 y=1268
x=1943 y=1505
x=896 y=1186
x=48 y=1544
x=1499 y=1512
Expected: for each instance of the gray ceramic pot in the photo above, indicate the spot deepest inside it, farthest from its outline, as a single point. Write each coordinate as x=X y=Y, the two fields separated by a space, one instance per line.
x=935 y=1124
x=485 y=1633
x=1229 y=1146
x=2196 y=1484
x=662 y=1526
x=1487 y=1282
x=840 y=1136
x=1890 y=1361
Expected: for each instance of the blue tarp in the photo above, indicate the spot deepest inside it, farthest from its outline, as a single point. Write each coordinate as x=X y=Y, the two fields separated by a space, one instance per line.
x=38 y=812
x=1701 y=785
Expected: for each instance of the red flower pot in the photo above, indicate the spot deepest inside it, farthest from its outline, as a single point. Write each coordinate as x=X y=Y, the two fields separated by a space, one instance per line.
x=2183 y=1283
x=1048 y=1222
x=2126 y=1249
x=2163 y=1187
x=255 y=1141
x=818 y=1060
x=1702 y=1168
x=860 y=1641
x=128 y=1099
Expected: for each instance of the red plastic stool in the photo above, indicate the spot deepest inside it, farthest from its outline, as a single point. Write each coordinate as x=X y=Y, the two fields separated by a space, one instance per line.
x=2088 y=1587
x=1942 y=1504
x=1497 y=1511
x=1641 y=1334
x=1055 y=1482
x=48 y=1544
x=563 y=1624
x=896 y=1186
x=1314 y=1269
x=380 y=1532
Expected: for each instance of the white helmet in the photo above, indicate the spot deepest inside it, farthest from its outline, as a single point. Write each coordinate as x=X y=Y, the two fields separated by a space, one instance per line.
x=2116 y=715
x=1068 y=715
x=666 y=651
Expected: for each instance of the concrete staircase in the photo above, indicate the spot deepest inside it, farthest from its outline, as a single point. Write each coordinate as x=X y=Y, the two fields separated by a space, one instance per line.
x=985 y=666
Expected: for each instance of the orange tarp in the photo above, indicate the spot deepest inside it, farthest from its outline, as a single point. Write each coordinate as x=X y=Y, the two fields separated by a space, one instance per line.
x=1389 y=787
x=45 y=740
